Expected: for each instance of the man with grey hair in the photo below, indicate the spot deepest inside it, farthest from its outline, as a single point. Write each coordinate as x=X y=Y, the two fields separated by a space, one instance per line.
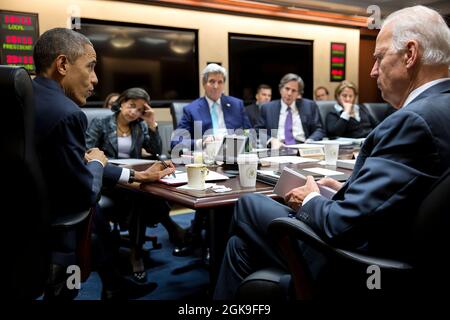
x=398 y=164
x=292 y=119
x=214 y=114
x=65 y=62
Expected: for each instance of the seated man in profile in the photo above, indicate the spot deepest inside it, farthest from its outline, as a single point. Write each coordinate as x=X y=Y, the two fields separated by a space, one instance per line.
x=292 y=119
x=398 y=163
x=213 y=115
x=65 y=62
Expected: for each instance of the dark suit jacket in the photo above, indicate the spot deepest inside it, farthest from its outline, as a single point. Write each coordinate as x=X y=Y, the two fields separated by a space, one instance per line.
x=309 y=116
x=198 y=110
x=102 y=133
x=252 y=111
x=339 y=127
x=60 y=125
x=399 y=161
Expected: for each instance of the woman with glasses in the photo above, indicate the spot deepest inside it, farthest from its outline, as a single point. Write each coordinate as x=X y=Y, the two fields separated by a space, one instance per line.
x=131 y=128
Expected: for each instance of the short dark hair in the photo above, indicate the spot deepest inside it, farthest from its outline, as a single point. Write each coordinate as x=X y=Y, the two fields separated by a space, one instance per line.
x=58 y=41
x=109 y=97
x=292 y=77
x=263 y=86
x=132 y=93
x=321 y=87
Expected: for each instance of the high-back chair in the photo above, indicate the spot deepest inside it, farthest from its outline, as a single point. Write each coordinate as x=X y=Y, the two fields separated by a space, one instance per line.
x=176 y=110
x=425 y=275
x=325 y=107
x=25 y=228
x=380 y=110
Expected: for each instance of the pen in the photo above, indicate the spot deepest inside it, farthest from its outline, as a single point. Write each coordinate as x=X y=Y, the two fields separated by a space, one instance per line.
x=164 y=164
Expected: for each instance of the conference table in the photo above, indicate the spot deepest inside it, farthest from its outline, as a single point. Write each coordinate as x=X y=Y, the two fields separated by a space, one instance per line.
x=219 y=206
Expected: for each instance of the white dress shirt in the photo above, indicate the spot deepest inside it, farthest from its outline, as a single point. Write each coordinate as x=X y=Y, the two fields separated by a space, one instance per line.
x=297 y=126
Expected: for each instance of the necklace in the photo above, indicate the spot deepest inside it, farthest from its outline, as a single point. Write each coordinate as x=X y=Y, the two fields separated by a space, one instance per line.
x=123 y=132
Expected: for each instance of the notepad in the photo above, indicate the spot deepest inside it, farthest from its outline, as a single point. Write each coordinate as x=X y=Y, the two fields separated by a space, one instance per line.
x=181 y=178
x=291 y=179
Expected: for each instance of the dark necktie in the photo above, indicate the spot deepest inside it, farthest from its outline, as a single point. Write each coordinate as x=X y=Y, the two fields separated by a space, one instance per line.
x=288 y=135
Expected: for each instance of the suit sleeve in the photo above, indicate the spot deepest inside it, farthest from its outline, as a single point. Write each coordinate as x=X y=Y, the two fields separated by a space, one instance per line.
x=392 y=180
x=317 y=131
x=336 y=126
x=85 y=179
x=245 y=120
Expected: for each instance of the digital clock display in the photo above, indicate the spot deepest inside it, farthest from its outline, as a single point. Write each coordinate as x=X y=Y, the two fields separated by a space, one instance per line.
x=18 y=34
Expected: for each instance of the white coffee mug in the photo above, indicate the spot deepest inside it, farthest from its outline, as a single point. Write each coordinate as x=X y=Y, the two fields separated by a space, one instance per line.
x=196 y=173
x=331 y=151
x=248 y=165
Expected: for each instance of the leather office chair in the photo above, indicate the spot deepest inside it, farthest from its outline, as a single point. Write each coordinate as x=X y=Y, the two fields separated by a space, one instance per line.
x=380 y=110
x=425 y=274
x=176 y=111
x=92 y=113
x=25 y=228
x=325 y=107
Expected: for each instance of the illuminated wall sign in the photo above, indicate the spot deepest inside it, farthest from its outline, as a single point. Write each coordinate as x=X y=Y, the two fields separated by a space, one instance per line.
x=18 y=34
x=337 y=63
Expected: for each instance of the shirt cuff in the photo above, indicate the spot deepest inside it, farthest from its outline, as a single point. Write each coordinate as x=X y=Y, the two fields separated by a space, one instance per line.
x=97 y=161
x=124 y=176
x=309 y=197
x=345 y=115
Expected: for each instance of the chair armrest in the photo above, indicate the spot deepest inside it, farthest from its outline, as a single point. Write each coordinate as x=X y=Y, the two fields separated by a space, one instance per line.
x=70 y=220
x=299 y=230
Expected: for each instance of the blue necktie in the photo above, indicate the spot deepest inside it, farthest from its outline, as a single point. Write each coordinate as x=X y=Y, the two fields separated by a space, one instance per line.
x=214 y=117
x=288 y=135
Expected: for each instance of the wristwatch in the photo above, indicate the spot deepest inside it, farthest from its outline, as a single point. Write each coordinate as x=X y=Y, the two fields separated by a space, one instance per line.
x=131 y=178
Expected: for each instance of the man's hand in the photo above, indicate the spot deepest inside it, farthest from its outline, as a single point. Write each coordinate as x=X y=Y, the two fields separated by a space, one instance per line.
x=155 y=172
x=295 y=197
x=331 y=183
x=275 y=144
x=95 y=154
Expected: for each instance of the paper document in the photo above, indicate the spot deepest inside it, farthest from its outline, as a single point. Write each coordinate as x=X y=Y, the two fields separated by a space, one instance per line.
x=181 y=178
x=130 y=161
x=291 y=179
x=286 y=159
x=347 y=164
x=322 y=171
x=338 y=141
x=302 y=146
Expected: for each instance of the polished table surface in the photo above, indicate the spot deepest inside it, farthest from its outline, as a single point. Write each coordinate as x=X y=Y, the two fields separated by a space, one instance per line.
x=206 y=199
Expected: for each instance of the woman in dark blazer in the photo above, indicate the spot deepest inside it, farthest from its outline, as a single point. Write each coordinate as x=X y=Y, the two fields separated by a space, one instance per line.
x=124 y=134
x=349 y=119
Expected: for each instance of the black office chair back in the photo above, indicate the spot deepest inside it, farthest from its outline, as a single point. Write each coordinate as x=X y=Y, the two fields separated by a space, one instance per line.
x=325 y=107
x=25 y=228
x=379 y=111
x=92 y=113
x=431 y=227
x=176 y=110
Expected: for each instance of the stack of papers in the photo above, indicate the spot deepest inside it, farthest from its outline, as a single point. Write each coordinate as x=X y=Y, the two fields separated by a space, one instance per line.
x=130 y=161
x=286 y=159
x=181 y=178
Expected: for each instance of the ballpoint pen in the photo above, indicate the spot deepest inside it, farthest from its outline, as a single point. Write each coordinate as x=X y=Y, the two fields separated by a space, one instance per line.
x=164 y=164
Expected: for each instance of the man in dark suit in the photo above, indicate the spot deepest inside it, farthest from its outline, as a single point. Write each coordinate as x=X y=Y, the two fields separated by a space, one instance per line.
x=397 y=165
x=292 y=119
x=215 y=114
x=65 y=62
x=263 y=95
